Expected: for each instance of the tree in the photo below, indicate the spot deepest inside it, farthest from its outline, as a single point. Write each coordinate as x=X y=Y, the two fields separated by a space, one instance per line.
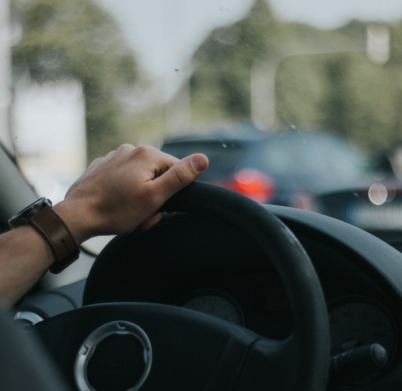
x=339 y=91
x=221 y=81
x=77 y=39
x=344 y=93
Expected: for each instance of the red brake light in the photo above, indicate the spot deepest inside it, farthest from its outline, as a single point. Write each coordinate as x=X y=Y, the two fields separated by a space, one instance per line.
x=252 y=184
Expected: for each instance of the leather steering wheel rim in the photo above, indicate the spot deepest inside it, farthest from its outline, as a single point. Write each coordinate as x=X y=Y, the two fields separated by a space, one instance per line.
x=307 y=301
x=310 y=338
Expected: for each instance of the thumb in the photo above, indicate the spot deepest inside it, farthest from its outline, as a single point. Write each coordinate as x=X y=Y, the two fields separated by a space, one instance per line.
x=181 y=174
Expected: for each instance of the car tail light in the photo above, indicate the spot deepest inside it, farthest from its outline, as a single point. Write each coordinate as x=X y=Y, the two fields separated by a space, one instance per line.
x=253 y=184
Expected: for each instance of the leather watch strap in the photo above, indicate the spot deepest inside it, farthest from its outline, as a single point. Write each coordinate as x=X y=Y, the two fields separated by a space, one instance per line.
x=61 y=241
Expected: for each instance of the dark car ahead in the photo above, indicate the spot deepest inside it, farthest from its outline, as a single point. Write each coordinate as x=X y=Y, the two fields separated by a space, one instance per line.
x=309 y=170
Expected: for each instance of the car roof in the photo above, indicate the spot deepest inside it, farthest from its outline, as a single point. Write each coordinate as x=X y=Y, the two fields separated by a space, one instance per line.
x=251 y=137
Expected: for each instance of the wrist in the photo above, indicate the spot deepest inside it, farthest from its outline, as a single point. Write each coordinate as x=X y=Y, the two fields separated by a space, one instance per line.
x=57 y=226
x=75 y=220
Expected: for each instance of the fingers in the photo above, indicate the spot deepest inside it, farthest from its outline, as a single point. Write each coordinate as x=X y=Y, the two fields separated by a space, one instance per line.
x=125 y=188
x=173 y=175
x=180 y=175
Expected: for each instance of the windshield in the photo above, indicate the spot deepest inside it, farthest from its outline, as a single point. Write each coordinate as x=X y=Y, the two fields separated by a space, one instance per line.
x=225 y=77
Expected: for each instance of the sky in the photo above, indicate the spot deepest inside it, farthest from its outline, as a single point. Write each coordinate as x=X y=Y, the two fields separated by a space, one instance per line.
x=165 y=33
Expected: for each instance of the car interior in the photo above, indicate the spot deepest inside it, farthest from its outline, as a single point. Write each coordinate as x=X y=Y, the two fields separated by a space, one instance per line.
x=224 y=293
x=292 y=294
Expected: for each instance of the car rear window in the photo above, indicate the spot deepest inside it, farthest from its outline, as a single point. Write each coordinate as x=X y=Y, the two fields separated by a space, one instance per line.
x=312 y=157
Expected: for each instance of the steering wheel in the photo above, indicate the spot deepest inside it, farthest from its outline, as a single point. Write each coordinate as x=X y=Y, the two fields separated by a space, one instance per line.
x=180 y=349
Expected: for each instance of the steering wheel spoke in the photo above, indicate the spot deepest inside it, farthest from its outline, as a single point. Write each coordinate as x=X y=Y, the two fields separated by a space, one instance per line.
x=270 y=362
x=178 y=338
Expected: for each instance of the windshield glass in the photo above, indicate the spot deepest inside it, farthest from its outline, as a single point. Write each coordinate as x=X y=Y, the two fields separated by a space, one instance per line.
x=225 y=77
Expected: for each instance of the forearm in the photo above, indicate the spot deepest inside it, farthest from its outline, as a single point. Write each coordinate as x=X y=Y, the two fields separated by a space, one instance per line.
x=24 y=257
x=116 y=194
x=25 y=254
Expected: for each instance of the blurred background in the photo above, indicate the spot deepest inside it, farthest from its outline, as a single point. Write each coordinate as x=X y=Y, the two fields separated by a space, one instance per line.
x=79 y=78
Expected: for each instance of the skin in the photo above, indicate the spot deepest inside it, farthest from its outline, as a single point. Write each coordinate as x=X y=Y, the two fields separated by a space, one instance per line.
x=118 y=193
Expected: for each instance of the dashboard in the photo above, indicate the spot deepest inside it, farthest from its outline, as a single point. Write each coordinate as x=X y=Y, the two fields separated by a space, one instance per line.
x=208 y=266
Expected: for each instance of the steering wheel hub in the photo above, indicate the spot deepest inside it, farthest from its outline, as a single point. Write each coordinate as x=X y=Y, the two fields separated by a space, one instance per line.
x=116 y=355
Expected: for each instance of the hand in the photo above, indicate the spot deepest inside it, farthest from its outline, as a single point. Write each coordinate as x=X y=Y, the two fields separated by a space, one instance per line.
x=124 y=189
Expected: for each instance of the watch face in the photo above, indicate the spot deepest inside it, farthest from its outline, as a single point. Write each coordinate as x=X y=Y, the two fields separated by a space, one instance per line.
x=22 y=217
x=34 y=208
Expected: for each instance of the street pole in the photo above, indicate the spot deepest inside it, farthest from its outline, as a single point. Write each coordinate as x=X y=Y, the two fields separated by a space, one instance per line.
x=5 y=74
x=263 y=80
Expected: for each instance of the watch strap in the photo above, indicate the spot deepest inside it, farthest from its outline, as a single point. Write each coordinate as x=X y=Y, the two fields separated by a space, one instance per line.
x=61 y=241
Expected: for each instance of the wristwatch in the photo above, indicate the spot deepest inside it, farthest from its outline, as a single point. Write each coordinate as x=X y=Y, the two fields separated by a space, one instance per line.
x=41 y=216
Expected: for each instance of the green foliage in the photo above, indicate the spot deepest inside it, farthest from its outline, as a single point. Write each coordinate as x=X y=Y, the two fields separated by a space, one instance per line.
x=341 y=91
x=344 y=93
x=77 y=39
x=220 y=85
x=297 y=98
x=221 y=82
